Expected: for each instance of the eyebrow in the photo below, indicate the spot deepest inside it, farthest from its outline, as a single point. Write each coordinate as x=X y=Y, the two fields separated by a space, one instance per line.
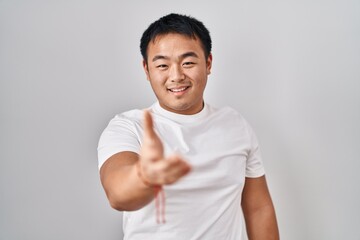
x=185 y=55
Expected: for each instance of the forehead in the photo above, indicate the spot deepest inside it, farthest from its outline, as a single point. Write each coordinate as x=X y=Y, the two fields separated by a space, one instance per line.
x=174 y=43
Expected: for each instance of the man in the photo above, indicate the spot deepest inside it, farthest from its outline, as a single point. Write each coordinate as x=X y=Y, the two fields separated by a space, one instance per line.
x=183 y=169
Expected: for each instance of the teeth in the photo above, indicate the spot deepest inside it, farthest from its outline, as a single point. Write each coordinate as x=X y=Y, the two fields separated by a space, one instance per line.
x=178 y=89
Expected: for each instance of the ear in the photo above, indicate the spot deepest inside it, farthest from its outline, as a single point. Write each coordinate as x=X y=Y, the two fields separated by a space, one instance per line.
x=146 y=69
x=209 y=64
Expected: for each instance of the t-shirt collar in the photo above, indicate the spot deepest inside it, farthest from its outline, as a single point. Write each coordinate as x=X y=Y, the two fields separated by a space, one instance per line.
x=181 y=118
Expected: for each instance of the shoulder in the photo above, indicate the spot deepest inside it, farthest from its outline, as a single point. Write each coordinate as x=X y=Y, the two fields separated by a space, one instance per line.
x=230 y=118
x=226 y=114
x=132 y=117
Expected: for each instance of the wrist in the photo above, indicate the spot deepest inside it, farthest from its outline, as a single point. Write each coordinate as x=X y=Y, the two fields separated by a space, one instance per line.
x=142 y=178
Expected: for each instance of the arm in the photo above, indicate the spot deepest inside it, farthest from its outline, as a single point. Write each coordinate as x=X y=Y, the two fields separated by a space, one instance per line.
x=123 y=188
x=119 y=175
x=258 y=209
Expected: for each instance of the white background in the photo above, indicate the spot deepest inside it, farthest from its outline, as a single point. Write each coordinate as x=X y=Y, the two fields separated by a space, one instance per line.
x=292 y=68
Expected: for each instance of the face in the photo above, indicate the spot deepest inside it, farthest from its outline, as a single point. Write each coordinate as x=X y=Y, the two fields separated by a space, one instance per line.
x=178 y=70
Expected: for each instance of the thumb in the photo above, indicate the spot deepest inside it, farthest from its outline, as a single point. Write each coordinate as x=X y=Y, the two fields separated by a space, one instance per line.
x=148 y=125
x=152 y=148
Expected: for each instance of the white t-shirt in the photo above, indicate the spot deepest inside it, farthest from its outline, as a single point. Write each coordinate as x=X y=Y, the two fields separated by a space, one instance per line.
x=222 y=149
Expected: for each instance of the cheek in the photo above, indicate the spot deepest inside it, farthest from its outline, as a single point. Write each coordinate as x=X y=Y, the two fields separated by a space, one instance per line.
x=157 y=78
x=198 y=77
x=158 y=85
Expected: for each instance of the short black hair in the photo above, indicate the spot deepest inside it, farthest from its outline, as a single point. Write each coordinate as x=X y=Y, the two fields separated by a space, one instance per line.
x=176 y=23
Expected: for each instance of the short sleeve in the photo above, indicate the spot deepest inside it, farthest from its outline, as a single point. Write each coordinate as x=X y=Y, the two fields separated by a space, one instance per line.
x=254 y=164
x=120 y=135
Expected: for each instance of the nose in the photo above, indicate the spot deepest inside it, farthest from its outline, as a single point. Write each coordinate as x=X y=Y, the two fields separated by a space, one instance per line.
x=176 y=74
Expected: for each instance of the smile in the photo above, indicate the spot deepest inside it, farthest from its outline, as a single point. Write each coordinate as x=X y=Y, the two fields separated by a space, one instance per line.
x=177 y=90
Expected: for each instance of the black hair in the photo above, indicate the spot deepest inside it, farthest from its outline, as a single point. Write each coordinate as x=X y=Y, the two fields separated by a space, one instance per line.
x=176 y=23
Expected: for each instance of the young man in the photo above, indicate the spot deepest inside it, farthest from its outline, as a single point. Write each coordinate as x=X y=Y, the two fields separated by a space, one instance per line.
x=183 y=169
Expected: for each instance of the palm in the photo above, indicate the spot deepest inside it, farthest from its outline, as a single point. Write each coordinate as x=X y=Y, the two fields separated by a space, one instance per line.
x=159 y=169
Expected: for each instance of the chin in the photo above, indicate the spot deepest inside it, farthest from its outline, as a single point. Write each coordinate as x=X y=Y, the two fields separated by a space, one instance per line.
x=180 y=108
x=177 y=107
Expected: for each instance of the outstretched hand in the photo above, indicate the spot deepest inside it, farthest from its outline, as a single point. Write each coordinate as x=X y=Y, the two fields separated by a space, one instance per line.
x=155 y=167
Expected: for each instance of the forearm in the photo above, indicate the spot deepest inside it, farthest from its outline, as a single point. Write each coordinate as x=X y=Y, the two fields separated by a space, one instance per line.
x=261 y=223
x=123 y=187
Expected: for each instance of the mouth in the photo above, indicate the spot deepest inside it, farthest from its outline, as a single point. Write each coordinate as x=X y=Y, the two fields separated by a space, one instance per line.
x=178 y=89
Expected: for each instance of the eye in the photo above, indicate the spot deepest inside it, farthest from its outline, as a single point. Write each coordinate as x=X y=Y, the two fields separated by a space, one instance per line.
x=188 y=64
x=162 y=66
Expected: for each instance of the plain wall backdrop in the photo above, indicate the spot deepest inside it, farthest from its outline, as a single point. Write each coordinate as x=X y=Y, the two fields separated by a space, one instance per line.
x=292 y=68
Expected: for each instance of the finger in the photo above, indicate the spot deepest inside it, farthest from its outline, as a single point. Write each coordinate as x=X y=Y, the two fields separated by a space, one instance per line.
x=173 y=169
x=152 y=148
x=178 y=166
x=148 y=125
